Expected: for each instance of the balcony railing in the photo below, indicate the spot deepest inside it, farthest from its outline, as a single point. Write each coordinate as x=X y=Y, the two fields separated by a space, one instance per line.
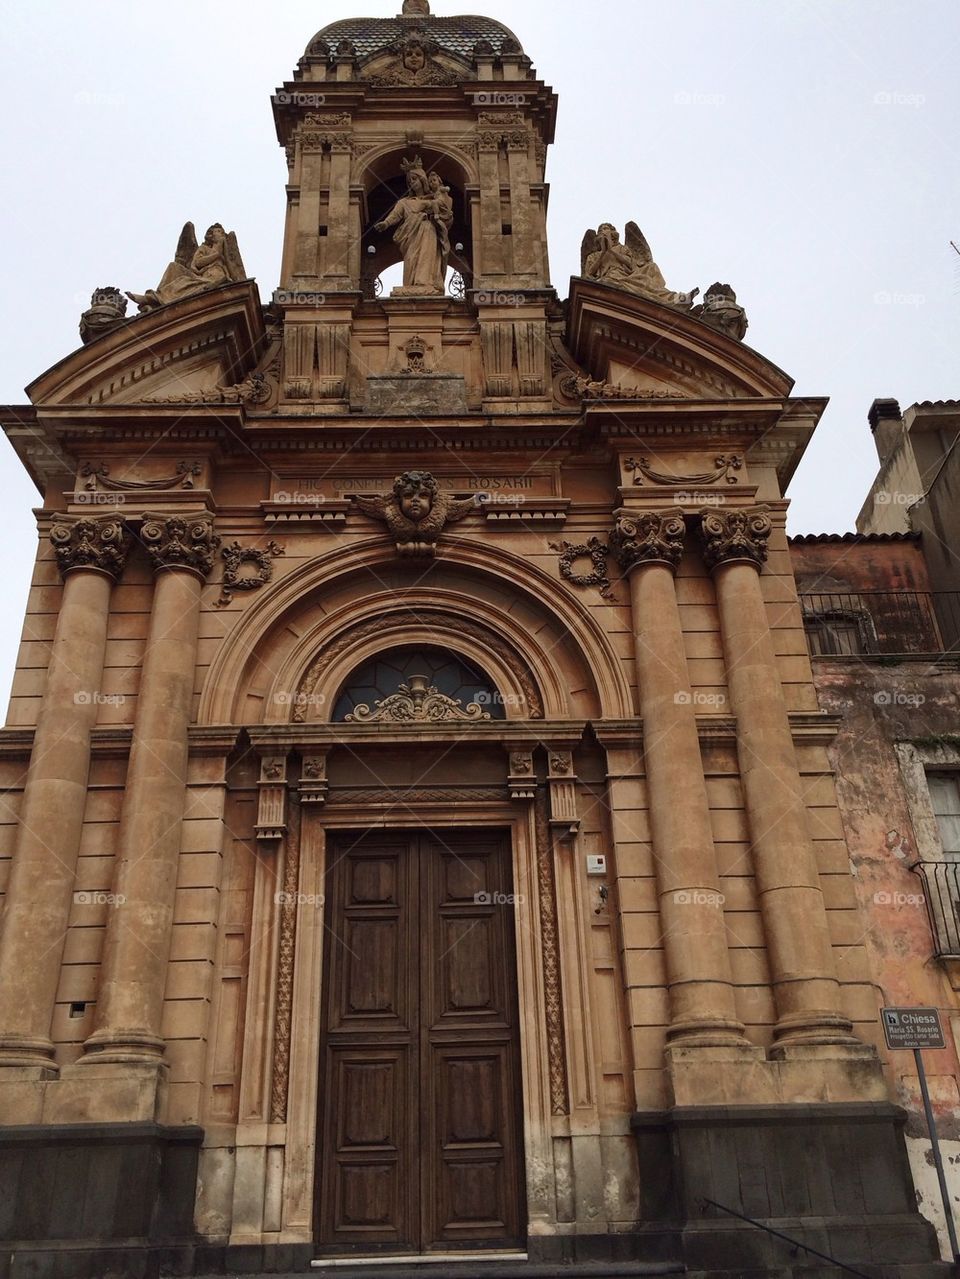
x=941 y=891
x=848 y=623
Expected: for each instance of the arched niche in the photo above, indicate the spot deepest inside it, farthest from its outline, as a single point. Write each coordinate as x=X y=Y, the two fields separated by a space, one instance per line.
x=538 y=644
x=383 y=182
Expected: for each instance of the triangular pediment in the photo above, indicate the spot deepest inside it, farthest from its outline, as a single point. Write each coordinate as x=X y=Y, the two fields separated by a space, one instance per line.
x=636 y=344
x=180 y=352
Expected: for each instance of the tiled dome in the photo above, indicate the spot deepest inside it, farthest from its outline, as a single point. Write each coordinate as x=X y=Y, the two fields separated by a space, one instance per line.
x=456 y=35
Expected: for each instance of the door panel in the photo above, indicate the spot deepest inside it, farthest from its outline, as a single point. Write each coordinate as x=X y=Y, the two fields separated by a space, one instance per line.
x=419 y=1135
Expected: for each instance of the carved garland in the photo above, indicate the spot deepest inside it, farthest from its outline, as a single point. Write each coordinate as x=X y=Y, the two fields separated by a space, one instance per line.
x=99 y=473
x=726 y=465
x=429 y=619
x=553 y=998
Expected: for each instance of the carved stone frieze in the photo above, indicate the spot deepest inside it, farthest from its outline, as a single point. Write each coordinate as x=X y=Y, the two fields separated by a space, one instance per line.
x=418 y=702
x=254 y=389
x=98 y=545
x=738 y=536
x=726 y=466
x=179 y=542
x=409 y=797
x=650 y=537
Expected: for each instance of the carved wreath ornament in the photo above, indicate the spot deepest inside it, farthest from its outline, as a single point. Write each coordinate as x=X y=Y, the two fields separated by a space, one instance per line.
x=596 y=552
x=237 y=560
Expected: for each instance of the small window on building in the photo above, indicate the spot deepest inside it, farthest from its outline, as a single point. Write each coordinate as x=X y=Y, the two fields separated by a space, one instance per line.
x=945 y=798
x=835 y=634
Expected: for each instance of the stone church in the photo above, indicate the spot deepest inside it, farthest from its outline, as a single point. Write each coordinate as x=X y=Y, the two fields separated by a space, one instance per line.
x=420 y=839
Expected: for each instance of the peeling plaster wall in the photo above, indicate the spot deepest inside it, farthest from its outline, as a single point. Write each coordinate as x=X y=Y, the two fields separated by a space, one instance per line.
x=879 y=705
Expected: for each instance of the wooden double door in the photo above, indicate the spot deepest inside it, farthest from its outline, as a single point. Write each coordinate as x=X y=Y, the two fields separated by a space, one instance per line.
x=419 y=1141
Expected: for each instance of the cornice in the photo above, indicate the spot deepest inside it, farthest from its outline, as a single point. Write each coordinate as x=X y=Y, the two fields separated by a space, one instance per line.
x=555 y=734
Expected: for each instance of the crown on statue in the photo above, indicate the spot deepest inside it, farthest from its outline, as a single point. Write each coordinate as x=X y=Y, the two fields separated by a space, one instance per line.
x=415 y=163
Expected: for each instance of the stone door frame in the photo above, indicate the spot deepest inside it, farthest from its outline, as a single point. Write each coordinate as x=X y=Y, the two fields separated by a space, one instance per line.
x=289 y=1161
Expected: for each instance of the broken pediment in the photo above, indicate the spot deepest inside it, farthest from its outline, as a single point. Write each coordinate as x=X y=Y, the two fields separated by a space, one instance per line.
x=182 y=352
x=655 y=351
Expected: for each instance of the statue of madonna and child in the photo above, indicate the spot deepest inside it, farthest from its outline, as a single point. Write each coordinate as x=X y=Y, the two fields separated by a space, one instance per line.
x=423 y=218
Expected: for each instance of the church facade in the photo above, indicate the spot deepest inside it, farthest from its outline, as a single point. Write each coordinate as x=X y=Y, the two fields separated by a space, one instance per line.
x=421 y=838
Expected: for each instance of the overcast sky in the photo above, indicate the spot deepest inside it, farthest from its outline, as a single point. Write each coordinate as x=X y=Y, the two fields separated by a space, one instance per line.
x=805 y=151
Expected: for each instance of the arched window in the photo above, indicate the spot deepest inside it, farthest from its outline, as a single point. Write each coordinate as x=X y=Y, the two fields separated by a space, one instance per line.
x=417 y=683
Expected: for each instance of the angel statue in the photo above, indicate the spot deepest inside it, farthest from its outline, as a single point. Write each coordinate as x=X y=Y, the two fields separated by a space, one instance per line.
x=195 y=268
x=416 y=512
x=422 y=233
x=628 y=266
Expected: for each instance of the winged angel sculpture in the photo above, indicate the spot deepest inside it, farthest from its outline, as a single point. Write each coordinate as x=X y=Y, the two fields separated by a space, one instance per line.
x=628 y=266
x=196 y=267
x=416 y=512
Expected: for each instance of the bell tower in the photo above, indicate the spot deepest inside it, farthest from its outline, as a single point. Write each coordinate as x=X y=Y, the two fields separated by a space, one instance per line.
x=420 y=139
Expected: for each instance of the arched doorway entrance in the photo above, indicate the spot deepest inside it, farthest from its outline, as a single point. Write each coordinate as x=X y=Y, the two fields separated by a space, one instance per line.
x=419 y=1144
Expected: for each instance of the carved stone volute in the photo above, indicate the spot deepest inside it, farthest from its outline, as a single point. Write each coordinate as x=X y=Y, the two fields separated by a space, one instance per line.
x=735 y=537
x=176 y=542
x=648 y=537
x=97 y=545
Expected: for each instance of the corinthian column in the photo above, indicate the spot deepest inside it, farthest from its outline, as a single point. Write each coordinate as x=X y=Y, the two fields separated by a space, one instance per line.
x=702 y=1007
x=794 y=916
x=90 y=554
x=137 y=946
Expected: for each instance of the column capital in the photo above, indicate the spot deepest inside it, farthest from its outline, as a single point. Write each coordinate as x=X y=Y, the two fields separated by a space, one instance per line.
x=177 y=542
x=97 y=545
x=650 y=537
x=735 y=536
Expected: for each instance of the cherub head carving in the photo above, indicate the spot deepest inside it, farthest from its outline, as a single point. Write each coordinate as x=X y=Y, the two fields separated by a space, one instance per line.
x=415 y=492
x=414 y=56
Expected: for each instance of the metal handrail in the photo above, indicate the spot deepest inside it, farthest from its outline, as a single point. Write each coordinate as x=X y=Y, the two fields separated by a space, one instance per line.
x=883 y=622
x=778 y=1234
x=941 y=879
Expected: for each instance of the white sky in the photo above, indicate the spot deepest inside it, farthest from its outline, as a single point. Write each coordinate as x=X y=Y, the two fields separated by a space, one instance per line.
x=805 y=151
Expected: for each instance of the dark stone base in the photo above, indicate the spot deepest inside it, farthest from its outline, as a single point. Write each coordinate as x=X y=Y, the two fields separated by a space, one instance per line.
x=85 y=1201
x=116 y=1201
x=834 y=1178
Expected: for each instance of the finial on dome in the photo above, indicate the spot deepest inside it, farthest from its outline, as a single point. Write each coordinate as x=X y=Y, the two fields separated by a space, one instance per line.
x=417 y=7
